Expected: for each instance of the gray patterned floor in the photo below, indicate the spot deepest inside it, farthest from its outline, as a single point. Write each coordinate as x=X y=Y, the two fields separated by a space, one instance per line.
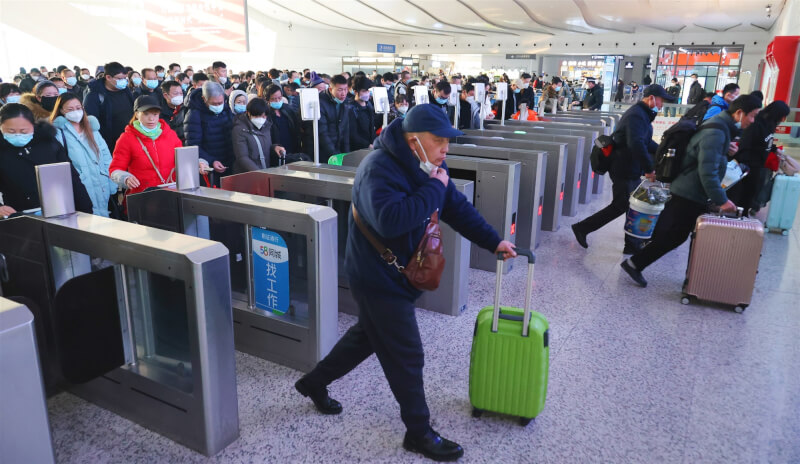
x=635 y=377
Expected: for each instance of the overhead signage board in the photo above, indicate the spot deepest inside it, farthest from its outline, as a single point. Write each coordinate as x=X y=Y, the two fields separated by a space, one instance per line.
x=520 y=56
x=386 y=48
x=603 y=57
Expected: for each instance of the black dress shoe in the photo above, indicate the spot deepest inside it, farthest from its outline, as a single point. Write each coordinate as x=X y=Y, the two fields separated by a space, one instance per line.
x=433 y=446
x=634 y=273
x=580 y=236
x=324 y=403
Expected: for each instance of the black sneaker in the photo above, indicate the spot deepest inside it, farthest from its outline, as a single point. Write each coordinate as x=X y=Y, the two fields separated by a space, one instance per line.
x=433 y=446
x=579 y=236
x=324 y=403
x=634 y=273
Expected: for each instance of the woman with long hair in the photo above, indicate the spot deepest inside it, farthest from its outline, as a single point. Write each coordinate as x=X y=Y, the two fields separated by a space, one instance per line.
x=79 y=133
x=755 y=146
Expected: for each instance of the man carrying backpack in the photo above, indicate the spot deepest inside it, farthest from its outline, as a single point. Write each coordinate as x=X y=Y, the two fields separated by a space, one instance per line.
x=630 y=158
x=719 y=104
x=699 y=181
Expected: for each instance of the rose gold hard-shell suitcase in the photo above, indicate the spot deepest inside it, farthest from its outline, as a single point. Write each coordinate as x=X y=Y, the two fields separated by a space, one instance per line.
x=723 y=260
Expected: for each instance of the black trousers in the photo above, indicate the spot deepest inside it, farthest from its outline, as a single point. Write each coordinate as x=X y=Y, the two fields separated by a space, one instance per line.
x=674 y=226
x=620 y=190
x=388 y=328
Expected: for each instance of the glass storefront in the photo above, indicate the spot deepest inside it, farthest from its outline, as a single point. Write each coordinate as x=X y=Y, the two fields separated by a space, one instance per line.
x=715 y=66
x=577 y=70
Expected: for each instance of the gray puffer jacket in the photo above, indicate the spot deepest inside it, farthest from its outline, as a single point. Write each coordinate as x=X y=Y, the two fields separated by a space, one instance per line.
x=706 y=161
x=251 y=146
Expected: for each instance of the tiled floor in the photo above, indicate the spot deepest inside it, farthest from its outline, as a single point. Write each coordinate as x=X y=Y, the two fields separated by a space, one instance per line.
x=635 y=377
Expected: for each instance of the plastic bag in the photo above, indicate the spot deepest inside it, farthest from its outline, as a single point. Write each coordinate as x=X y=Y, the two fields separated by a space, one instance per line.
x=654 y=193
x=733 y=174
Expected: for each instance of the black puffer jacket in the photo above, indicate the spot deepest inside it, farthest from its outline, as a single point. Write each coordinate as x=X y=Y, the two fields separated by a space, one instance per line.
x=633 y=144
x=18 y=170
x=334 y=128
x=211 y=132
x=594 y=98
x=362 y=126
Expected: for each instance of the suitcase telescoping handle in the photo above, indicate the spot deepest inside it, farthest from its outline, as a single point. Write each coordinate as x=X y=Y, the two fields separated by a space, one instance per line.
x=526 y=318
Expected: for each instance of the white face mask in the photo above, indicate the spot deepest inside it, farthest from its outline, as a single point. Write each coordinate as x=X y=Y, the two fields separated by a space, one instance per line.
x=176 y=101
x=471 y=99
x=525 y=85
x=222 y=80
x=74 y=116
x=258 y=122
x=85 y=77
x=426 y=165
x=402 y=109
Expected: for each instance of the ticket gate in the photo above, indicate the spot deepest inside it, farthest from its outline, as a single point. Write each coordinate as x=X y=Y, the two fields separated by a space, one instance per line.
x=281 y=253
x=25 y=429
x=533 y=165
x=452 y=296
x=596 y=179
x=589 y=135
x=496 y=197
x=574 y=172
x=555 y=182
x=607 y=121
x=134 y=319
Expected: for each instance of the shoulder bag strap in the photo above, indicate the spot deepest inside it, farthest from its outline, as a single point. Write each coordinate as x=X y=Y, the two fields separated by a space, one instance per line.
x=158 y=173
x=64 y=139
x=385 y=253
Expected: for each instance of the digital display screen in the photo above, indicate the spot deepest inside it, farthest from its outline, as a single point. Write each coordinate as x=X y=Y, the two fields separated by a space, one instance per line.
x=196 y=25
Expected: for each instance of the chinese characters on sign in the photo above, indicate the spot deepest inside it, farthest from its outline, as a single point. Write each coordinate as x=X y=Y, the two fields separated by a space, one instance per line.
x=270 y=271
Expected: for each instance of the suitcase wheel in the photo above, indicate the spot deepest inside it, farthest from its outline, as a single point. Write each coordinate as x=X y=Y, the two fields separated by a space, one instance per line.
x=476 y=412
x=739 y=308
x=784 y=232
x=523 y=421
x=685 y=300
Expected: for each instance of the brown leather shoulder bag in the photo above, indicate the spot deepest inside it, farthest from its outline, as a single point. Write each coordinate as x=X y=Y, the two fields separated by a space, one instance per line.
x=424 y=270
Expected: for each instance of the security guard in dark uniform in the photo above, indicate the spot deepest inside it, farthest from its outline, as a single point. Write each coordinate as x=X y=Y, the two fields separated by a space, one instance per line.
x=396 y=190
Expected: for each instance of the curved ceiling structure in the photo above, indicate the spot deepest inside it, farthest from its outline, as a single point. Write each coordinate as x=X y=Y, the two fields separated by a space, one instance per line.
x=528 y=18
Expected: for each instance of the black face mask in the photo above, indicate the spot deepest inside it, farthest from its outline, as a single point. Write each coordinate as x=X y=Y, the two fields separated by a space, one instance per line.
x=49 y=103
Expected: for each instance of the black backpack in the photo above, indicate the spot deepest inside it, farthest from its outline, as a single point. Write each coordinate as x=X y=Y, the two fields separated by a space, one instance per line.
x=676 y=137
x=600 y=157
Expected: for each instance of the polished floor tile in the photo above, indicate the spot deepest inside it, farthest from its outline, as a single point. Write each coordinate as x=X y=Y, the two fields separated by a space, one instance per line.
x=635 y=377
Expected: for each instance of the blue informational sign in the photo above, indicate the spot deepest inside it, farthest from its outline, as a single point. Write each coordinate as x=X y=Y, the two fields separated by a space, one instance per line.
x=270 y=271
x=386 y=48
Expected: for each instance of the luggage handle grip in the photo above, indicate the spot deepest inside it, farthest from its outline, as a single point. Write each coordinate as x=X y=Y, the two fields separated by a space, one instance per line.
x=526 y=318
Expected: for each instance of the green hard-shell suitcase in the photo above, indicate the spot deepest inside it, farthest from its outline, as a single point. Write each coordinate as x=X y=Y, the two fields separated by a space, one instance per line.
x=510 y=356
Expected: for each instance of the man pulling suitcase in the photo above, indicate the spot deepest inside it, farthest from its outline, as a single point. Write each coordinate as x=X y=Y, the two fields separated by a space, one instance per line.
x=397 y=189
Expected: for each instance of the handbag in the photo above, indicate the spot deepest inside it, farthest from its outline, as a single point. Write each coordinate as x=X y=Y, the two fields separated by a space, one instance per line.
x=789 y=165
x=424 y=270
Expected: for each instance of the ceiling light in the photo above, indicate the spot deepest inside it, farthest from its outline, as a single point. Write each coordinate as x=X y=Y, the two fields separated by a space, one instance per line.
x=438 y=25
x=683 y=50
x=769 y=10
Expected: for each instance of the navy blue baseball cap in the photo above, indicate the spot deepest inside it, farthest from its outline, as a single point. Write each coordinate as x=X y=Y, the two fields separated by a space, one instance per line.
x=429 y=118
x=658 y=91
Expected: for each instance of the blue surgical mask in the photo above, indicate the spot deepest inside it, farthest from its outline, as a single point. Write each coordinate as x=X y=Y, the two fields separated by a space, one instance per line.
x=184 y=87
x=216 y=109
x=122 y=83
x=152 y=83
x=516 y=90
x=738 y=125
x=137 y=81
x=18 y=140
x=239 y=109
x=62 y=90
x=338 y=102
x=276 y=105
x=160 y=74
x=441 y=101
x=297 y=81
x=13 y=99
x=558 y=88
x=71 y=81
x=655 y=109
